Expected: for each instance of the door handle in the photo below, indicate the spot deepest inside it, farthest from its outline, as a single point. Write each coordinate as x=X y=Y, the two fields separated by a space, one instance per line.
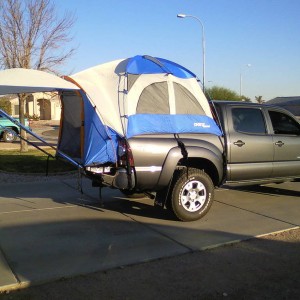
x=279 y=143
x=239 y=143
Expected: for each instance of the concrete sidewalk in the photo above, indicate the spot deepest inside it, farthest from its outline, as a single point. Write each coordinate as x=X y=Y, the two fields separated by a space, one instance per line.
x=49 y=230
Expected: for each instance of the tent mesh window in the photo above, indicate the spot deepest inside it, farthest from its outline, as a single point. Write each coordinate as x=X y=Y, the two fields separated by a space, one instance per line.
x=131 y=79
x=71 y=125
x=154 y=99
x=185 y=101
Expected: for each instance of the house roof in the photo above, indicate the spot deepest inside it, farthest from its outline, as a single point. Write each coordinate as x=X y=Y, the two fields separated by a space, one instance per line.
x=285 y=100
x=291 y=104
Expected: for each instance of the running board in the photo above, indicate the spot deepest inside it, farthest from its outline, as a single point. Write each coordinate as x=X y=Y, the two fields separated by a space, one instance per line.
x=4 y=114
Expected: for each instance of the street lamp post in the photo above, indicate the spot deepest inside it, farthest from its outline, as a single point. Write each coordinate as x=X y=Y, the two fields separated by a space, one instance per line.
x=241 y=78
x=203 y=42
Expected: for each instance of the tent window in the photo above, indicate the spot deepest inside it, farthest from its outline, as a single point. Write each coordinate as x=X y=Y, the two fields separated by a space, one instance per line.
x=71 y=125
x=131 y=79
x=185 y=101
x=154 y=99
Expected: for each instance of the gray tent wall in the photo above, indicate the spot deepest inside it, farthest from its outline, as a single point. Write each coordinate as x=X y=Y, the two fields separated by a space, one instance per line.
x=71 y=131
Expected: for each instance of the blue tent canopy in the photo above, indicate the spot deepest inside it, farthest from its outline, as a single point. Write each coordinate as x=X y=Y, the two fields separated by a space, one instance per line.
x=95 y=118
x=145 y=64
x=100 y=141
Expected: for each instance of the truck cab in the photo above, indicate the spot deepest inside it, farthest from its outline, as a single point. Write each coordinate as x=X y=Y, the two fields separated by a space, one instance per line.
x=262 y=142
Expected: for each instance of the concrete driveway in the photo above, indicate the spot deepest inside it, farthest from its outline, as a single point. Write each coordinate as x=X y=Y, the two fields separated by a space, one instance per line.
x=49 y=230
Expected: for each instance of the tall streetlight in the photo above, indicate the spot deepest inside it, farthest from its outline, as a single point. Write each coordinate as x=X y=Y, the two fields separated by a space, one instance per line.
x=241 y=77
x=203 y=42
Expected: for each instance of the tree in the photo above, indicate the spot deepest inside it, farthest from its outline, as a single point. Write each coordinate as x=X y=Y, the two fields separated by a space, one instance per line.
x=32 y=36
x=259 y=99
x=221 y=93
x=5 y=105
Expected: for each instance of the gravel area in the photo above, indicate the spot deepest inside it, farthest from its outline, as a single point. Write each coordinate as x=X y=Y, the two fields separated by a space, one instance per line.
x=6 y=177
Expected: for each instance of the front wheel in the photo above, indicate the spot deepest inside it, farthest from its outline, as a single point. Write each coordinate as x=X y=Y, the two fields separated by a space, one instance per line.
x=8 y=136
x=192 y=195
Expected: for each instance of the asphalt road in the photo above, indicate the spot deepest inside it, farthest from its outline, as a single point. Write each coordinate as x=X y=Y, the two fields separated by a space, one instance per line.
x=263 y=268
x=121 y=249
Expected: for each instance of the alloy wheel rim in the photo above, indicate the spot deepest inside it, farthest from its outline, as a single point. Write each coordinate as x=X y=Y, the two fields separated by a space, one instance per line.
x=193 y=196
x=10 y=136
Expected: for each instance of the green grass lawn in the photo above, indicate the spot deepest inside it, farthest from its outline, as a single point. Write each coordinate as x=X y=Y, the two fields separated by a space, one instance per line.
x=33 y=161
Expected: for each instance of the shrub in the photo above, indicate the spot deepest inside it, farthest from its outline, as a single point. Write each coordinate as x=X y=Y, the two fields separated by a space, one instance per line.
x=5 y=105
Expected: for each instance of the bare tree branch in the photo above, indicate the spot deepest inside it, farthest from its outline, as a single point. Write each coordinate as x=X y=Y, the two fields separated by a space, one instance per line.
x=33 y=36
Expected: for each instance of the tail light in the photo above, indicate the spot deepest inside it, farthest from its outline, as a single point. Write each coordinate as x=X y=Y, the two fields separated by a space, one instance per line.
x=124 y=154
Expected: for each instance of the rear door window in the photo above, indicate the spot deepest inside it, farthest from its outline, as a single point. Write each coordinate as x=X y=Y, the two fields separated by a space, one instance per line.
x=249 y=120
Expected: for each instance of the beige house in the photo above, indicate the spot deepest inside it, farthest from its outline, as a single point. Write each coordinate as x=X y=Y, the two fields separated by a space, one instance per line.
x=46 y=106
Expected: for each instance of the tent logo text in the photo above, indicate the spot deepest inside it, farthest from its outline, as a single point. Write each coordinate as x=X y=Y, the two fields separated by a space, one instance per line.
x=201 y=125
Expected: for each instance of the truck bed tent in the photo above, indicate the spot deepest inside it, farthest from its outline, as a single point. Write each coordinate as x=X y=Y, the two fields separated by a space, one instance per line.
x=127 y=98
x=124 y=98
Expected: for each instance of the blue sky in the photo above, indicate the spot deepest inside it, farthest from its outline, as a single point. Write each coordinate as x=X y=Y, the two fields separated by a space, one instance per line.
x=263 y=33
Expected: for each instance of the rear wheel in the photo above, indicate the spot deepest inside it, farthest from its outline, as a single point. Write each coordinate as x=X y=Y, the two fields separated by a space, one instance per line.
x=192 y=195
x=8 y=136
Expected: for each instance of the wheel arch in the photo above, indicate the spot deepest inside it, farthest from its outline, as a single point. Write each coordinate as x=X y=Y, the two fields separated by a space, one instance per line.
x=211 y=162
x=14 y=128
x=203 y=164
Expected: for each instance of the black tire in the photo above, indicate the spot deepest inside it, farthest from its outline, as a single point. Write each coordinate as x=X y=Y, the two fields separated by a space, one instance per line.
x=8 y=136
x=192 y=195
x=133 y=194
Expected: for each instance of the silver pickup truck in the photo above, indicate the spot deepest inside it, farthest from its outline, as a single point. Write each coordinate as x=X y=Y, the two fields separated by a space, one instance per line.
x=260 y=144
x=144 y=125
